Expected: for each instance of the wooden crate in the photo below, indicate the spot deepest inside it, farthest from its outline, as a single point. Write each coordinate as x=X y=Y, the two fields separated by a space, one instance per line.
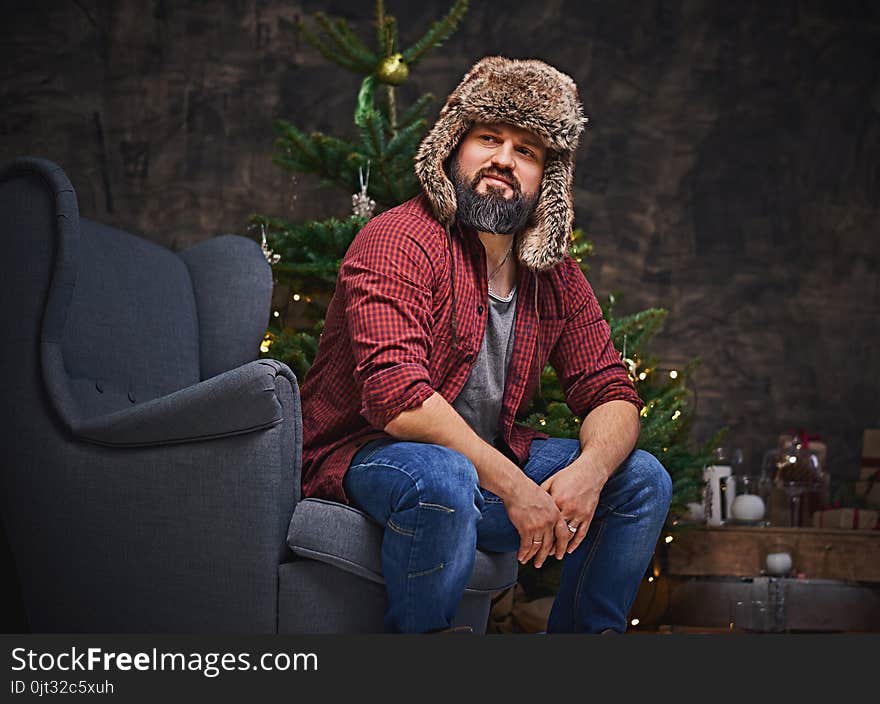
x=738 y=551
x=791 y=605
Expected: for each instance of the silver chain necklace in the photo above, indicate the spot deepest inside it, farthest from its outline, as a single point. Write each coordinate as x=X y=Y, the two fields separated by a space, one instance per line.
x=503 y=262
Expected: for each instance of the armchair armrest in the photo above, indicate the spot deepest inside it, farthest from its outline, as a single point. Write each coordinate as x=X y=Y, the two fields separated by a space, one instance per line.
x=185 y=537
x=239 y=401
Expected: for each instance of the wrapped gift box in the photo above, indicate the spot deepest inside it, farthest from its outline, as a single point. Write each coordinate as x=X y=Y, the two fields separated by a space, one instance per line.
x=851 y=518
x=868 y=484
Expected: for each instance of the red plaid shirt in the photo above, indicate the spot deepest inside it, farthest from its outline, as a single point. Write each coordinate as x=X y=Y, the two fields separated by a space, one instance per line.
x=386 y=345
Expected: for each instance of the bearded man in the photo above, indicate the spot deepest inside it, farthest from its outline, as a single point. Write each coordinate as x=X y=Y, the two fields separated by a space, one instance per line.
x=446 y=310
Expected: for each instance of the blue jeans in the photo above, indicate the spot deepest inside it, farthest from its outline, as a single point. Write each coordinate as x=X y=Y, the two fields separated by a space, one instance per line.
x=436 y=515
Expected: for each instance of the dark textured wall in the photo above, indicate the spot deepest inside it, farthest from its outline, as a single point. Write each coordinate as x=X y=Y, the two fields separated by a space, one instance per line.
x=730 y=173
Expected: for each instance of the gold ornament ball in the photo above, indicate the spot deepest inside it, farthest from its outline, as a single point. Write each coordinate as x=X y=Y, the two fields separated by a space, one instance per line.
x=393 y=70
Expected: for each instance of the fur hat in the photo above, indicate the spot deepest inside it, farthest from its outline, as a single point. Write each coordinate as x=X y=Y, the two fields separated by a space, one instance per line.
x=528 y=94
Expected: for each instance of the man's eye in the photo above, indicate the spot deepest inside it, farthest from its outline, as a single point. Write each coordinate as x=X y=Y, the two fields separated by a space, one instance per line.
x=526 y=152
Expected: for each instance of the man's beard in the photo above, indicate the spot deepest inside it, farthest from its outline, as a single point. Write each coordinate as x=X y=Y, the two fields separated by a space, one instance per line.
x=491 y=212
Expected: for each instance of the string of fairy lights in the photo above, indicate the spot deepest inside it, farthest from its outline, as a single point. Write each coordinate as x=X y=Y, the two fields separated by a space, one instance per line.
x=268 y=338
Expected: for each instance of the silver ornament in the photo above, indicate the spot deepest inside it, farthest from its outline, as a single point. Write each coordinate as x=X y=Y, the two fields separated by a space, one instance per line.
x=362 y=204
x=271 y=257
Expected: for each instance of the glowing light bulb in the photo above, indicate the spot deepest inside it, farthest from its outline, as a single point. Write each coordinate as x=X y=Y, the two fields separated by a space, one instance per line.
x=650 y=579
x=276 y=313
x=634 y=622
x=643 y=376
x=669 y=538
x=296 y=296
x=676 y=415
x=673 y=374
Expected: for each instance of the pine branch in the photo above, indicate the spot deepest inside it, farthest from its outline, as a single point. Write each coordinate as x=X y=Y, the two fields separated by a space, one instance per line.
x=644 y=319
x=357 y=46
x=371 y=122
x=380 y=27
x=334 y=149
x=580 y=249
x=439 y=32
x=296 y=349
x=386 y=40
x=387 y=191
x=405 y=138
x=309 y=242
x=297 y=145
x=363 y=64
x=328 y=270
x=327 y=52
x=371 y=133
x=391 y=102
x=328 y=157
x=638 y=328
x=392 y=40
x=414 y=112
x=405 y=184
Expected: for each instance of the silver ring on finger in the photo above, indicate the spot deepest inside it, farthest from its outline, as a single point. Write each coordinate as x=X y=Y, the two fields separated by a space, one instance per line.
x=536 y=542
x=571 y=527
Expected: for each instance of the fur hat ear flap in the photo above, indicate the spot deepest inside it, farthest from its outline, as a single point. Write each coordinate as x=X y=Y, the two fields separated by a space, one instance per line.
x=544 y=242
x=442 y=140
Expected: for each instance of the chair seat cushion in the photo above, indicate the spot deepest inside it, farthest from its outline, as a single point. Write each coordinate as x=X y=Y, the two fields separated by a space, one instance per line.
x=347 y=538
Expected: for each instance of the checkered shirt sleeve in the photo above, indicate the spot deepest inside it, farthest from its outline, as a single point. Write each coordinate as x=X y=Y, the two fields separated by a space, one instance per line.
x=387 y=277
x=588 y=366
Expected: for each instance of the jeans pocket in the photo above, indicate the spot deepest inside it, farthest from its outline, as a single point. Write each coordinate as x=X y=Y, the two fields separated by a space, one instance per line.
x=609 y=509
x=490 y=498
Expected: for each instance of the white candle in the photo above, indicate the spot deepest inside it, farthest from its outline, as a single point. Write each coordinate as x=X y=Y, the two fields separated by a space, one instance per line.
x=747 y=507
x=778 y=563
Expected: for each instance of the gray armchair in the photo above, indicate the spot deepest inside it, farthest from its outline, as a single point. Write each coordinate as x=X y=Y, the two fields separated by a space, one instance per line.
x=150 y=463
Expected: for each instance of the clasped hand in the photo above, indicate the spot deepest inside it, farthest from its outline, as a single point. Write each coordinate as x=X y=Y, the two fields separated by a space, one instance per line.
x=554 y=517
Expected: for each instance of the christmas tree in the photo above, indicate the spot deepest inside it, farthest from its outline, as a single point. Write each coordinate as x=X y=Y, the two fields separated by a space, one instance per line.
x=306 y=256
x=379 y=168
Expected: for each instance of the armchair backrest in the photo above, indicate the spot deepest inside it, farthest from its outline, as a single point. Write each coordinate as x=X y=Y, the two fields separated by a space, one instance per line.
x=132 y=331
x=122 y=320
x=232 y=282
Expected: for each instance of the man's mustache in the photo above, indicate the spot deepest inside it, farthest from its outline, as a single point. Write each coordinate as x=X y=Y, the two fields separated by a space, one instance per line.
x=509 y=177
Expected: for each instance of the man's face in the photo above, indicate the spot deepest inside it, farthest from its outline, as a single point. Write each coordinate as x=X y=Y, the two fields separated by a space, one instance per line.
x=497 y=171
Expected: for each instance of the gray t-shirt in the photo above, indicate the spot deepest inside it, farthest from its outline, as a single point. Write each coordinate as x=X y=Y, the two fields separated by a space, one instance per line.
x=479 y=402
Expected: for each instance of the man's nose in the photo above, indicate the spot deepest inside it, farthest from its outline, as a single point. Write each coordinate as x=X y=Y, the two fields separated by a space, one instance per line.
x=503 y=156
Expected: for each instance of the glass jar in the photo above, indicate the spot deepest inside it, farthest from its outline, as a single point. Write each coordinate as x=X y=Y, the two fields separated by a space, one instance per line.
x=798 y=483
